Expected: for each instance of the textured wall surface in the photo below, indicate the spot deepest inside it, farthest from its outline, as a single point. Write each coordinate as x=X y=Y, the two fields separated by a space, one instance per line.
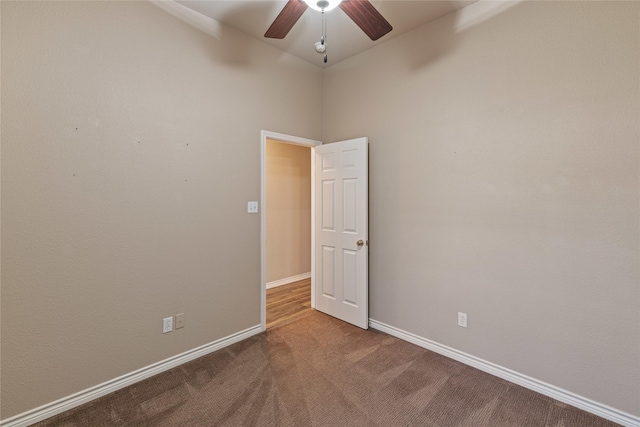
x=504 y=184
x=130 y=147
x=288 y=210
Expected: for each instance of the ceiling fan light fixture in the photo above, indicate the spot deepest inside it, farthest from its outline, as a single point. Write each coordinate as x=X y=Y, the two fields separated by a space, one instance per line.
x=317 y=5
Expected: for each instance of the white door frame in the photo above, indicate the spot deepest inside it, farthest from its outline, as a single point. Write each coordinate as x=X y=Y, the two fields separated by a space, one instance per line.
x=294 y=140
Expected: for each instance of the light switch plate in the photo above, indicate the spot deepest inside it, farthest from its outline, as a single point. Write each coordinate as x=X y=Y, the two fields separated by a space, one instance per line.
x=252 y=207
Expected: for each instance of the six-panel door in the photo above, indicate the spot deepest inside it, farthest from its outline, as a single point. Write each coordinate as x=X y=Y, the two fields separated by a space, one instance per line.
x=341 y=181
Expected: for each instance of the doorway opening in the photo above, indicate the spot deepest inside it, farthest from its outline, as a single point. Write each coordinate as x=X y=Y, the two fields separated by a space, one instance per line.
x=287 y=222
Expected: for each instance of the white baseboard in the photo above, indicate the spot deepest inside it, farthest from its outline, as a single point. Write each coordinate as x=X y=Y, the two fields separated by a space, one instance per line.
x=541 y=387
x=77 y=399
x=287 y=280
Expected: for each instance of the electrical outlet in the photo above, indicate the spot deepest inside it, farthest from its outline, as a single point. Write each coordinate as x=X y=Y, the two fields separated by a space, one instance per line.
x=179 y=320
x=252 y=207
x=462 y=319
x=167 y=324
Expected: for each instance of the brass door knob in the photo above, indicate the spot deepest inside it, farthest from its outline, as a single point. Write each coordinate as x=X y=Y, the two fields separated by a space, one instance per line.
x=360 y=243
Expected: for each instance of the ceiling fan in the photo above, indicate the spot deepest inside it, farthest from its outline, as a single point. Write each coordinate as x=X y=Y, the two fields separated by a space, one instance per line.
x=360 y=11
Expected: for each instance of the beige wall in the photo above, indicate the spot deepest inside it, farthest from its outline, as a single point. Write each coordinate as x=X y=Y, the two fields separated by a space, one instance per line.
x=504 y=184
x=130 y=147
x=288 y=210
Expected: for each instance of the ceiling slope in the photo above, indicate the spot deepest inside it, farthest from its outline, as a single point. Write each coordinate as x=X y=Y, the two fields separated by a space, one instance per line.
x=344 y=38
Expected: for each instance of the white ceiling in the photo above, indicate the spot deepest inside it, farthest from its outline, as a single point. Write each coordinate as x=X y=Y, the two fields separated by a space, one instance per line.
x=344 y=38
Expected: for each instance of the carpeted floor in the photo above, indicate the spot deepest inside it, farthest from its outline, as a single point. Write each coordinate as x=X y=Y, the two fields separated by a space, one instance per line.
x=319 y=371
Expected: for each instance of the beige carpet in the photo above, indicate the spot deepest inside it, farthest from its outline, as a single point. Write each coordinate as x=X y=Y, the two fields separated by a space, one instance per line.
x=319 y=371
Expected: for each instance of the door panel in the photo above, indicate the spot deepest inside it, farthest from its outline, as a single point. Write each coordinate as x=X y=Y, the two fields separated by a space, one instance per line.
x=328 y=267
x=341 y=242
x=328 y=210
x=350 y=209
x=350 y=277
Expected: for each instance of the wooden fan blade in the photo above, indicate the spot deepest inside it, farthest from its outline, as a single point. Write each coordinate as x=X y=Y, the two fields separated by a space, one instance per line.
x=289 y=15
x=366 y=17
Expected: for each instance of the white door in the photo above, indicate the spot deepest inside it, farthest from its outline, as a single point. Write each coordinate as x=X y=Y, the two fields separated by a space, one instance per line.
x=342 y=255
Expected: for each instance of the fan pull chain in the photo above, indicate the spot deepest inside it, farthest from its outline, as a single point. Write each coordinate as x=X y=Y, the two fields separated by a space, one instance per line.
x=323 y=39
x=321 y=46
